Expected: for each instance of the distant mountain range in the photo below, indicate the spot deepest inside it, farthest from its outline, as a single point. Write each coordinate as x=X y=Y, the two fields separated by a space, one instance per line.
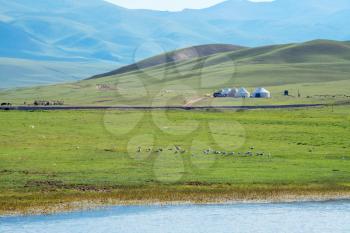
x=44 y=32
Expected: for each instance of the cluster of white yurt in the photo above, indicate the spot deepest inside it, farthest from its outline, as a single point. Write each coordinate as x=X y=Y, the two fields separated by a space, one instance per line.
x=242 y=92
x=261 y=92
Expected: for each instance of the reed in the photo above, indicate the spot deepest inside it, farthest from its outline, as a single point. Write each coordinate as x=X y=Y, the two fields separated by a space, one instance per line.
x=69 y=200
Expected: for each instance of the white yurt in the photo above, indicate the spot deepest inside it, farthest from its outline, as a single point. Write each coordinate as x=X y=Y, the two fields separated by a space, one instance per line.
x=226 y=91
x=243 y=93
x=261 y=93
x=233 y=92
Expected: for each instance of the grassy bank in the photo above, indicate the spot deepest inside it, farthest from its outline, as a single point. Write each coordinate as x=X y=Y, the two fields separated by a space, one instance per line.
x=64 y=200
x=49 y=159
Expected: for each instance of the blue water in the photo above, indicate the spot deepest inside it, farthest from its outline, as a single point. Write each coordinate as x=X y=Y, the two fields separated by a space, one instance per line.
x=332 y=217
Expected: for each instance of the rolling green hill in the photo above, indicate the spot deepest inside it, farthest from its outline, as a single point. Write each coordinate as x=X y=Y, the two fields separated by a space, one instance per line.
x=173 y=57
x=318 y=69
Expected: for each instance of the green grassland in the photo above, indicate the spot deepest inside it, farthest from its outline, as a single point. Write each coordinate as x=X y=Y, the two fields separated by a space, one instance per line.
x=318 y=69
x=56 y=157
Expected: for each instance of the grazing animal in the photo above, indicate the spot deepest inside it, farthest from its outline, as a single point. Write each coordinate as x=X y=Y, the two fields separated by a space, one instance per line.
x=249 y=153
x=206 y=152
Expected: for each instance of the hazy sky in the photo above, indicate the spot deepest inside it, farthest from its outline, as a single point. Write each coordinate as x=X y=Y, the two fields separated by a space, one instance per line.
x=171 y=5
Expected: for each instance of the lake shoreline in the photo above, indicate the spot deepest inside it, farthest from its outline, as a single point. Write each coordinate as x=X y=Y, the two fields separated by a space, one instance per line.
x=89 y=203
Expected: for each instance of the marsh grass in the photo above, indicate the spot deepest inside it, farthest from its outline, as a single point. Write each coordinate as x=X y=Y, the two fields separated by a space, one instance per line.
x=69 y=200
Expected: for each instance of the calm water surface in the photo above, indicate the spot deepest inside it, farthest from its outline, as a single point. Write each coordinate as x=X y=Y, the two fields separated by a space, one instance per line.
x=332 y=217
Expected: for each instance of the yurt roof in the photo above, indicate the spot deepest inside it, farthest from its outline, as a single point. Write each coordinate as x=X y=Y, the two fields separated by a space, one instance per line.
x=242 y=89
x=261 y=89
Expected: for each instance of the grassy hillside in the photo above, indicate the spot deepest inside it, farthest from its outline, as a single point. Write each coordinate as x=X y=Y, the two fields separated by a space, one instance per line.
x=174 y=57
x=318 y=69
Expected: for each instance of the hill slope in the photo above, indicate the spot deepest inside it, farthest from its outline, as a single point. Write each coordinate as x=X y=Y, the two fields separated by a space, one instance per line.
x=318 y=51
x=175 y=56
x=315 y=68
x=31 y=72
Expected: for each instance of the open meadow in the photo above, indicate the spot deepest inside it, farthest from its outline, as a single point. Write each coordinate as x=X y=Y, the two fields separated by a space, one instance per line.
x=51 y=158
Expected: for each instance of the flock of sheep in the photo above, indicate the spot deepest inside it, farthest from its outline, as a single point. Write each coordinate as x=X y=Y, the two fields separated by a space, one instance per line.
x=178 y=150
